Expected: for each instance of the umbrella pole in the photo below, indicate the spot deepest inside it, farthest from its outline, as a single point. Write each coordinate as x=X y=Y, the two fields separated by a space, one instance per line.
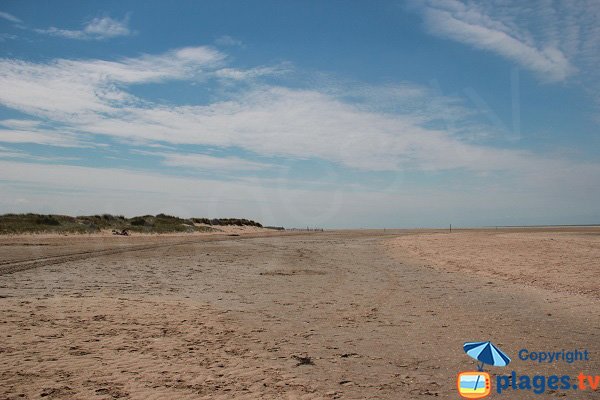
x=480 y=368
x=476 y=382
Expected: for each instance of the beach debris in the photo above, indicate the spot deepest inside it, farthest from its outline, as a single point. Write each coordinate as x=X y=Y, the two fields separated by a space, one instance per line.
x=122 y=232
x=303 y=360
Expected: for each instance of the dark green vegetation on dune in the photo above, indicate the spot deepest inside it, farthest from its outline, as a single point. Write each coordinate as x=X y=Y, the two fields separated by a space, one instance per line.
x=161 y=223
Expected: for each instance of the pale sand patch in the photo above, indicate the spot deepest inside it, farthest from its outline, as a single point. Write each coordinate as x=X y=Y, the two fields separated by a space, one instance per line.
x=233 y=229
x=562 y=260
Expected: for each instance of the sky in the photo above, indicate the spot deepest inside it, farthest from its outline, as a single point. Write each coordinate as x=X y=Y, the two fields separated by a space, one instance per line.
x=338 y=114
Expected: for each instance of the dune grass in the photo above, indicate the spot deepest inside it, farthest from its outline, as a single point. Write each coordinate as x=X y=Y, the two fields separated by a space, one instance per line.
x=161 y=223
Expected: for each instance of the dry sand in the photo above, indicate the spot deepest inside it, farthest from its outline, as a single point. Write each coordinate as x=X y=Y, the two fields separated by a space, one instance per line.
x=349 y=314
x=562 y=259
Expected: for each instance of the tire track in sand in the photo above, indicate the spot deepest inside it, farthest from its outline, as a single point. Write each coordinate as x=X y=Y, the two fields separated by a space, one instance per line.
x=9 y=267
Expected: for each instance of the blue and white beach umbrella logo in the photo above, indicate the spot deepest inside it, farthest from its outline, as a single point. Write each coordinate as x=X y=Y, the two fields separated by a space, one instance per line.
x=486 y=353
x=477 y=385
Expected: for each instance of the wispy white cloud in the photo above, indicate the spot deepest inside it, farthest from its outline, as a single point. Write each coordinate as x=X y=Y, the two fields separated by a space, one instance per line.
x=20 y=123
x=227 y=40
x=206 y=162
x=277 y=121
x=7 y=36
x=353 y=128
x=107 y=27
x=236 y=74
x=63 y=89
x=51 y=138
x=558 y=41
x=469 y=23
x=19 y=154
x=10 y=17
x=34 y=131
x=99 y=28
x=9 y=153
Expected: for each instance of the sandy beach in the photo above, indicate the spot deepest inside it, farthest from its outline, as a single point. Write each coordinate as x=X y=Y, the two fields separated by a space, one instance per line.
x=300 y=315
x=299 y=200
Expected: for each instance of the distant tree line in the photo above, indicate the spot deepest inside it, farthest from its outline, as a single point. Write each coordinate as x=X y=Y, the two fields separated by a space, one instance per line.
x=227 y=221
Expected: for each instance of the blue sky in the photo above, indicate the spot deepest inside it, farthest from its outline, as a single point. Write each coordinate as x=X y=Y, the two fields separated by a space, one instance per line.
x=332 y=114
